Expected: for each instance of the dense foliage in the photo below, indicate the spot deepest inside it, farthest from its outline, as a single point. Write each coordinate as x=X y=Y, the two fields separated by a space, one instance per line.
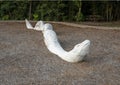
x=60 y=10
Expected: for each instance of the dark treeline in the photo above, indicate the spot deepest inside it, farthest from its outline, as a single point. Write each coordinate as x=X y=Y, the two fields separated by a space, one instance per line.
x=60 y=10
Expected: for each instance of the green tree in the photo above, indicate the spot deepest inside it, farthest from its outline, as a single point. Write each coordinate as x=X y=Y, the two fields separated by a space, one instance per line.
x=79 y=15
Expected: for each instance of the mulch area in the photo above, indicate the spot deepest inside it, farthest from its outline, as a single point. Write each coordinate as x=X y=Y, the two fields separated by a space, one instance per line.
x=25 y=60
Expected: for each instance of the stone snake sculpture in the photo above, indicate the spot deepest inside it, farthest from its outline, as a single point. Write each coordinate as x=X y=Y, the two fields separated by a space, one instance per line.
x=51 y=41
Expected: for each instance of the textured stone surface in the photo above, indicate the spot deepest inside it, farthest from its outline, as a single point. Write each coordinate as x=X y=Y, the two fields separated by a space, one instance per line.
x=25 y=60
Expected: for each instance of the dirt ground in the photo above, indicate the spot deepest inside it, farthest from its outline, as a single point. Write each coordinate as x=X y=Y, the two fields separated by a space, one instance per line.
x=25 y=60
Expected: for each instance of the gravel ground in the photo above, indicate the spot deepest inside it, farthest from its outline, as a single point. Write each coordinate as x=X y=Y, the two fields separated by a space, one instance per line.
x=25 y=60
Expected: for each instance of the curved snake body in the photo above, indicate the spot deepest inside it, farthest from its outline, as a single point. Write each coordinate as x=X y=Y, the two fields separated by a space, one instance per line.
x=51 y=41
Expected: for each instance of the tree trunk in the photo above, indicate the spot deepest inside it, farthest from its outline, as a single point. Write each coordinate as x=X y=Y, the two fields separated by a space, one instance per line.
x=30 y=7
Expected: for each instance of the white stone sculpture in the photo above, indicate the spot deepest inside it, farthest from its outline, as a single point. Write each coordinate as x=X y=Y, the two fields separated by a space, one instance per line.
x=51 y=41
